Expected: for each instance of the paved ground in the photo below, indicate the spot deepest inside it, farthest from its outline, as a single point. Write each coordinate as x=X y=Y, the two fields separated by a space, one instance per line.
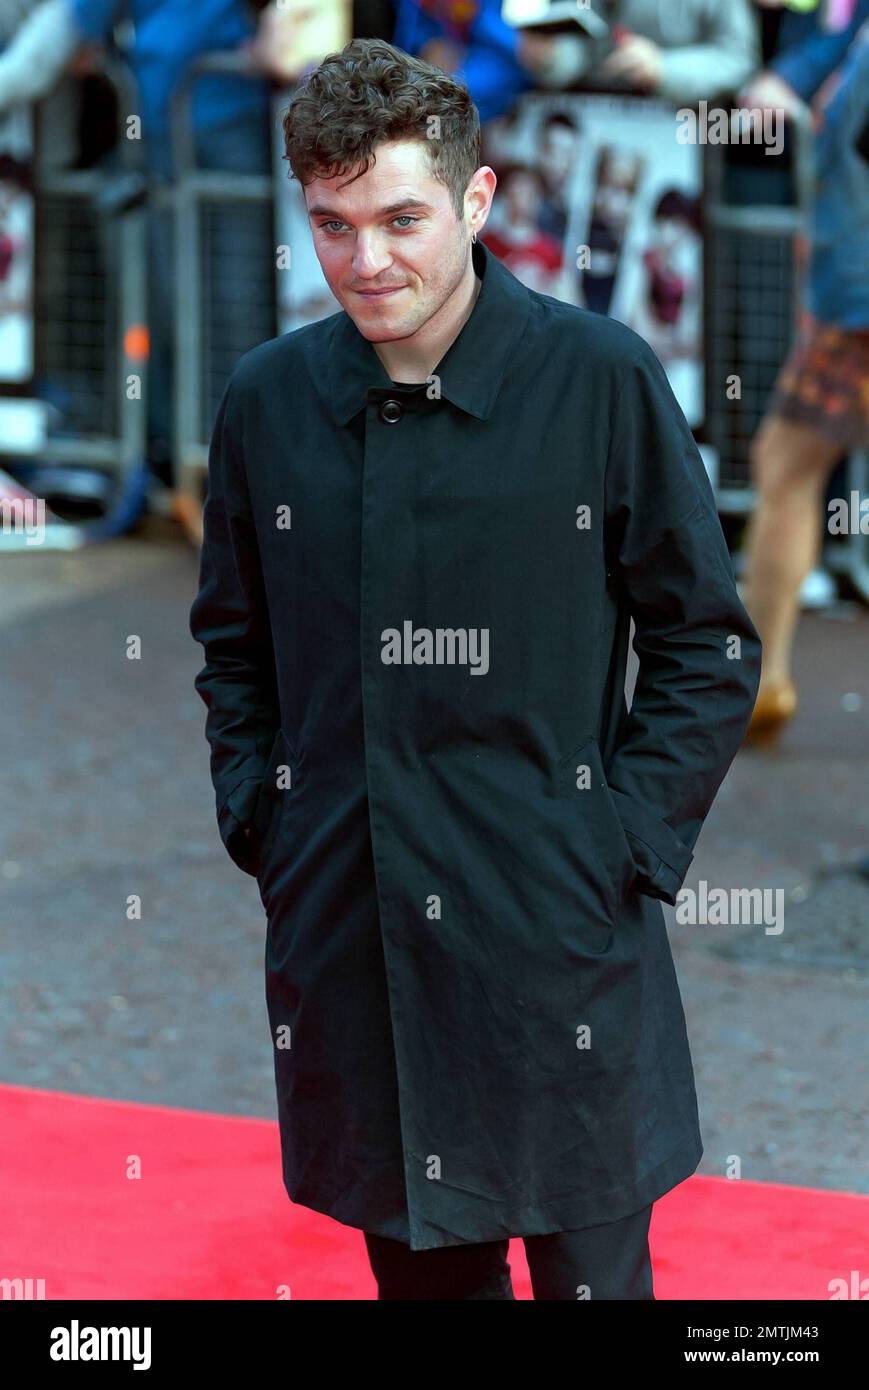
x=107 y=795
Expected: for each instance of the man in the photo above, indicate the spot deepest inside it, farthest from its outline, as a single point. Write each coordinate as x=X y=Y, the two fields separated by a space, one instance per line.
x=430 y=518
x=683 y=52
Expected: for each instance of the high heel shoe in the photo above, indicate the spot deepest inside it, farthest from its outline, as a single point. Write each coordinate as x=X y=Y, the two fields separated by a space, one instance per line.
x=775 y=705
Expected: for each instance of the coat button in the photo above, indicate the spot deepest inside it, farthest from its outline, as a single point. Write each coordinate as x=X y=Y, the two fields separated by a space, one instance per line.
x=391 y=411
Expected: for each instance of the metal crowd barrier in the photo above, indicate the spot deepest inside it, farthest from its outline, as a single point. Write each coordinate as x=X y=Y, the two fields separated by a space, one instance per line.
x=753 y=293
x=91 y=295
x=89 y=308
x=751 y=304
x=207 y=345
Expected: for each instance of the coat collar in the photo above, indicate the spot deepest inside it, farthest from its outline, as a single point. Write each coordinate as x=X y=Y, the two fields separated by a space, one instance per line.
x=473 y=366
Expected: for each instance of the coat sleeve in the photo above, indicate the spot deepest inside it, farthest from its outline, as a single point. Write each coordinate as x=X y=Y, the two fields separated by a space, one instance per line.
x=726 y=57
x=230 y=618
x=699 y=653
x=806 y=65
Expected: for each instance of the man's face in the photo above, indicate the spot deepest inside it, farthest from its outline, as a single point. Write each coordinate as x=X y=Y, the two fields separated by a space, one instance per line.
x=559 y=153
x=523 y=196
x=669 y=230
x=392 y=229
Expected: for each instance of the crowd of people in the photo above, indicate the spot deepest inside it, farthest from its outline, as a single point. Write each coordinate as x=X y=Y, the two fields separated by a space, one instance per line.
x=761 y=54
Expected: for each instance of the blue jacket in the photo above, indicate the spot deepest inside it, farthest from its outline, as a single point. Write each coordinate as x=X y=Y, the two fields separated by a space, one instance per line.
x=838 y=286
x=492 y=73
x=168 y=35
x=806 y=64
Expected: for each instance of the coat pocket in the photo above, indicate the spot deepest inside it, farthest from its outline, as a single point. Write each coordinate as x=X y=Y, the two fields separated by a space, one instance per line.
x=270 y=802
x=582 y=780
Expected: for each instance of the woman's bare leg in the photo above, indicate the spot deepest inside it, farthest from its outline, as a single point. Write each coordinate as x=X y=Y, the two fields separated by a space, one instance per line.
x=790 y=465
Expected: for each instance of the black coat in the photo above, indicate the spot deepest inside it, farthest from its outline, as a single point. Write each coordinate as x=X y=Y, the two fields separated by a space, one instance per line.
x=462 y=838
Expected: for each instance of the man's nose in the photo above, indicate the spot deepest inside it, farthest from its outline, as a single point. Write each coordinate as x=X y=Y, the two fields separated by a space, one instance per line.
x=370 y=256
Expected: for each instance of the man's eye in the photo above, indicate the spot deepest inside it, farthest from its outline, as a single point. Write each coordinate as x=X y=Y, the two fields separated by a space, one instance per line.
x=334 y=223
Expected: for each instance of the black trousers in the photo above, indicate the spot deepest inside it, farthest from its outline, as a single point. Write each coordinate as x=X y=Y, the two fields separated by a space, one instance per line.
x=610 y=1262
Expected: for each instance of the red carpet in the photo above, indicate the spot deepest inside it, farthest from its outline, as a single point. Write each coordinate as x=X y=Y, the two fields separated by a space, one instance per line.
x=209 y=1218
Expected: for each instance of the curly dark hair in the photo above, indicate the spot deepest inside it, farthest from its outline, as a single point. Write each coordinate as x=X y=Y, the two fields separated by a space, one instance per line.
x=372 y=92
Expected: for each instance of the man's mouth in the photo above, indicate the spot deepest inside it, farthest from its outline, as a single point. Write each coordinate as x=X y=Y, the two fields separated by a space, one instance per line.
x=379 y=294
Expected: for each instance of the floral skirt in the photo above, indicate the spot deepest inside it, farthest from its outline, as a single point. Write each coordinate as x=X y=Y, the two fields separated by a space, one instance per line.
x=824 y=383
